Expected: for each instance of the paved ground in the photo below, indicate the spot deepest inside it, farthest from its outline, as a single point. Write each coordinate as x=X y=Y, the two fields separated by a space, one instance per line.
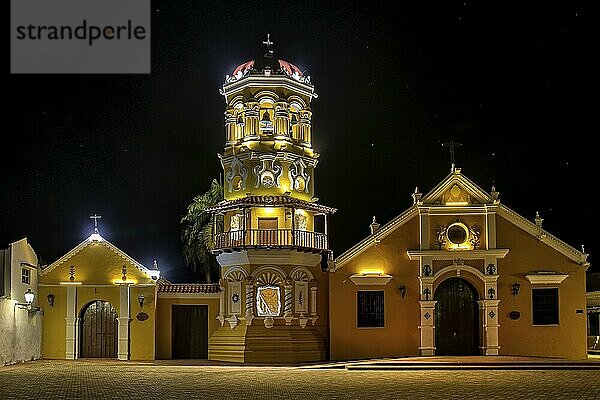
x=174 y=380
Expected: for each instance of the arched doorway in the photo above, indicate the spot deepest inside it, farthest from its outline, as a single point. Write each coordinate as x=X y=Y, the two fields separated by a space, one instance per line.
x=456 y=318
x=99 y=330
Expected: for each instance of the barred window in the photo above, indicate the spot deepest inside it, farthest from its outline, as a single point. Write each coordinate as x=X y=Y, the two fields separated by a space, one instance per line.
x=25 y=275
x=370 y=308
x=545 y=306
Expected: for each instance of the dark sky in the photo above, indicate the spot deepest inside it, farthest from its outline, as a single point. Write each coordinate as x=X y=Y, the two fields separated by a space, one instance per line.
x=513 y=82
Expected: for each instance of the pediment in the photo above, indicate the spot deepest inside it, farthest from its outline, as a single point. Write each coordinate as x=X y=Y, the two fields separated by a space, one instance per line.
x=458 y=190
x=96 y=261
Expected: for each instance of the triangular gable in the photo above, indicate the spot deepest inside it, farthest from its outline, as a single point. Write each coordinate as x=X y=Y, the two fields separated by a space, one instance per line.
x=457 y=189
x=372 y=240
x=543 y=235
x=97 y=239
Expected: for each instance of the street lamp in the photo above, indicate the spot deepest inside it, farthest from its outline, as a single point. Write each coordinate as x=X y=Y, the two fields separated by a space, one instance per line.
x=29 y=297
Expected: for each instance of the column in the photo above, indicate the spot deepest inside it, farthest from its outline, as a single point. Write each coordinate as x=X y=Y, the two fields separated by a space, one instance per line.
x=249 y=299
x=427 y=327
x=123 y=329
x=287 y=303
x=490 y=229
x=71 y=322
x=313 y=301
x=489 y=316
x=222 y=286
x=423 y=229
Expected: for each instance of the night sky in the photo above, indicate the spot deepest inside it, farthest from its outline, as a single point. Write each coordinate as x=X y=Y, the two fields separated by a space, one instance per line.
x=513 y=82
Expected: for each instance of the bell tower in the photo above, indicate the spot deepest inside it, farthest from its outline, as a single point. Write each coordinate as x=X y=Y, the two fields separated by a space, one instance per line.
x=273 y=247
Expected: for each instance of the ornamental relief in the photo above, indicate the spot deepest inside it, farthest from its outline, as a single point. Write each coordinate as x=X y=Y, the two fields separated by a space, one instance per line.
x=268 y=172
x=299 y=176
x=236 y=176
x=458 y=236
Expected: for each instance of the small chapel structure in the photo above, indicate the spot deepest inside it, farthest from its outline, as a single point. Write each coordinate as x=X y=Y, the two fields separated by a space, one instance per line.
x=457 y=273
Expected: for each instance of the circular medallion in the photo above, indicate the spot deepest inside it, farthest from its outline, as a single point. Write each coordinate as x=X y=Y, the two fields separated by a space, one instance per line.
x=455 y=191
x=142 y=316
x=457 y=233
x=236 y=183
x=267 y=179
x=299 y=184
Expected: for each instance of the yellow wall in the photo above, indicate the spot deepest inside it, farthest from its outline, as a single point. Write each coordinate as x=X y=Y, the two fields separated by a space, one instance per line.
x=141 y=333
x=53 y=327
x=97 y=267
x=400 y=336
x=520 y=337
x=164 y=321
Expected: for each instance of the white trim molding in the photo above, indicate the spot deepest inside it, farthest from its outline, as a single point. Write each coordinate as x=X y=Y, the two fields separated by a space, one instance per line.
x=371 y=279
x=457 y=254
x=546 y=278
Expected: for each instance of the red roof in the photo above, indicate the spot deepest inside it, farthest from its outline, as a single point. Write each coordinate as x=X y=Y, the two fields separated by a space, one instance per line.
x=165 y=286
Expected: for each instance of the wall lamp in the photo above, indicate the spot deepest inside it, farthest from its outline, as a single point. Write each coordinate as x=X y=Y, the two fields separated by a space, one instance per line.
x=402 y=290
x=515 y=289
x=51 y=299
x=141 y=300
x=29 y=296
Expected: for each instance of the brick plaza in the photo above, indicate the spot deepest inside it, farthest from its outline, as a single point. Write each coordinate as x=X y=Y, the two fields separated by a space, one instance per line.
x=104 y=379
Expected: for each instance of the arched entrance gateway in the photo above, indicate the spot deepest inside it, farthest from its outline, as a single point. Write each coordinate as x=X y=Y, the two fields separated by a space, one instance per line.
x=99 y=330
x=456 y=318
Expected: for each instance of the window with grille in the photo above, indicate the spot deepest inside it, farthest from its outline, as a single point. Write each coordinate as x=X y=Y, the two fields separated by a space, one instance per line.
x=545 y=306
x=370 y=309
x=25 y=275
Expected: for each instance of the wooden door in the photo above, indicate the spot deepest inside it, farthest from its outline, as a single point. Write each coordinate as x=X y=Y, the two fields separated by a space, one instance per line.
x=267 y=231
x=99 y=331
x=190 y=332
x=456 y=318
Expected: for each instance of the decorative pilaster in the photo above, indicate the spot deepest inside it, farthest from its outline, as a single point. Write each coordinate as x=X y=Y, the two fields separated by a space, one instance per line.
x=423 y=229
x=222 y=286
x=427 y=327
x=313 y=301
x=123 y=344
x=249 y=310
x=72 y=341
x=489 y=314
x=287 y=303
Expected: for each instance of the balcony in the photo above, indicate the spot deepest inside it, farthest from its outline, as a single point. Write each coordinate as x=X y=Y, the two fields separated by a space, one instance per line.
x=270 y=238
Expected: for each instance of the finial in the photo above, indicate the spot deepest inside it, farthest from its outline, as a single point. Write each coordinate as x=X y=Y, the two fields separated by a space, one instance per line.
x=452 y=145
x=96 y=217
x=417 y=195
x=583 y=249
x=538 y=220
x=374 y=226
x=268 y=43
x=155 y=264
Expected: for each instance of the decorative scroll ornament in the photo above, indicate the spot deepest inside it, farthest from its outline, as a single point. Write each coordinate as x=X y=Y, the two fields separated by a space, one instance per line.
x=124 y=277
x=440 y=231
x=491 y=293
x=72 y=273
x=490 y=269
x=475 y=233
x=492 y=314
x=299 y=176
x=267 y=172
x=236 y=176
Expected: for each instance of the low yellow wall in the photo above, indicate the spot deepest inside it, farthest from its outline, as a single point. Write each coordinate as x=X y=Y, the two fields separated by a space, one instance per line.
x=54 y=330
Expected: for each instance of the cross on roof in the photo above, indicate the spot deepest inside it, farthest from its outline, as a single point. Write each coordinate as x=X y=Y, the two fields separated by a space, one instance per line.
x=452 y=145
x=268 y=42
x=95 y=217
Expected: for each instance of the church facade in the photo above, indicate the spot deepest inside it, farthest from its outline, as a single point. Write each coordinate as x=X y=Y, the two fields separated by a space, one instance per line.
x=457 y=273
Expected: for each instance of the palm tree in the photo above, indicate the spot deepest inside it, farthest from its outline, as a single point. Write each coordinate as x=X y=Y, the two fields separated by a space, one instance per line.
x=197 y=234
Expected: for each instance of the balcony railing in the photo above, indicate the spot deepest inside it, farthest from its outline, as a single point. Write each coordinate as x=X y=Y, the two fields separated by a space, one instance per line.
x=271 y=238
